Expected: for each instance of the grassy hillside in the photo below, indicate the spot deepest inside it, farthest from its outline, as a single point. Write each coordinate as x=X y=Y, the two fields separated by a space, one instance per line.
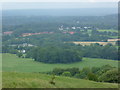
x=12 y=63
x=0 y=71
x=36 y=80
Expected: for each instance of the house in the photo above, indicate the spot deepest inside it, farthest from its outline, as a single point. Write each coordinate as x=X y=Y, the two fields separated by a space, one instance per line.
x=78 y=27
x=85 y=27
x=74 y=28
x=8 y=33
x=71 y=32
x=26 y=34
x=23 y=51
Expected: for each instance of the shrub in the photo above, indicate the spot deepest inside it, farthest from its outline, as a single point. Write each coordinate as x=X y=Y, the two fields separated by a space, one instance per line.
x=66 y=74
x=95 y=69
x=92 y=76
x=104 y=69
x=58 y=71
x=73 y=70
x=111 y=76
x=77 y=75
x=19 y=54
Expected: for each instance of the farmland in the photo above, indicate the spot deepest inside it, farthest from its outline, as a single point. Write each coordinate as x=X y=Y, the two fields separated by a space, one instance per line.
x=12 y=63
x=89 y=43
x=36 y=47
x=108 y=30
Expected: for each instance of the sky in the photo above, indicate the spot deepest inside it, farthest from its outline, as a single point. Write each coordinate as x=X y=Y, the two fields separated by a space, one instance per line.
x=47 y=4
x=59 y=0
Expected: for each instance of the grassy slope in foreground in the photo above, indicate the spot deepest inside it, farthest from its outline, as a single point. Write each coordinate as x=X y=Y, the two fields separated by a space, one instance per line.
x=12 y=63
x=36 y=80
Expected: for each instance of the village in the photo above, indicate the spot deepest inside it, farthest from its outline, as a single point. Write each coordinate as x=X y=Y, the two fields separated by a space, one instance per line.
x=64 y=30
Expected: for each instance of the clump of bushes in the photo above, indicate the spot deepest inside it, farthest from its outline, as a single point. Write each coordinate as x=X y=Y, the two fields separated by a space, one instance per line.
x=112 y=76
x=92 y=76
x=105 y=73
x=68 y=74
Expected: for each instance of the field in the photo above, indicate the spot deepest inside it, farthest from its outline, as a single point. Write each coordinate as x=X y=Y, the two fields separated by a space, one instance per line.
x=11 y=62
x=108 y=30
x=105 y=30
x=89 y=43
x=37 y=80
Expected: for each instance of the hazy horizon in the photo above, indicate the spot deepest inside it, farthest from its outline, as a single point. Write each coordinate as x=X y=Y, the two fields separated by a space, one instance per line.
x=58 y=5
x=60 y=8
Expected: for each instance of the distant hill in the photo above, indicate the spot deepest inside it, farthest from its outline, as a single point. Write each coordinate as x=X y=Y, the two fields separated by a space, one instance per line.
x=61 y=12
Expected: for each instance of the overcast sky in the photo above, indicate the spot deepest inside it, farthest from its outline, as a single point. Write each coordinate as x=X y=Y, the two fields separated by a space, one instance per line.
x=47 y=4
x=59 y=0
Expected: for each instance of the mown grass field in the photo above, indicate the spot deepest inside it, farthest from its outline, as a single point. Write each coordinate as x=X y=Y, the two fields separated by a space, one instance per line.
x=11 y=62
x=103 y=30
x=37 y=80
x=108 y=30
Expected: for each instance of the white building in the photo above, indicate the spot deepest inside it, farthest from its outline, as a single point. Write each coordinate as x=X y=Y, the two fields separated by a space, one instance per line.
x=74 y=28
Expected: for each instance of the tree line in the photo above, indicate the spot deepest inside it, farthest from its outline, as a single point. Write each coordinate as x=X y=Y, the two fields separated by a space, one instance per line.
x=54 y=55
x=64 y=52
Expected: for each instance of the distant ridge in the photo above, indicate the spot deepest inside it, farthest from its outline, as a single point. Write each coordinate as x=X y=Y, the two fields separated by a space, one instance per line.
x=61 y=12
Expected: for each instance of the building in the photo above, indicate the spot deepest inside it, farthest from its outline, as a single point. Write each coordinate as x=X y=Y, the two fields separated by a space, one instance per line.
x=7 y=33
x=73 y=28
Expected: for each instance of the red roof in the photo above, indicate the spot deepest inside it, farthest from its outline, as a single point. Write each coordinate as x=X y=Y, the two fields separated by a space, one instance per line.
x=71 y=32
x=7 y=33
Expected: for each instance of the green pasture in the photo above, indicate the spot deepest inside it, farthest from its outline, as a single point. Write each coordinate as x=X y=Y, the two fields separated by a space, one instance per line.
x=10 y=62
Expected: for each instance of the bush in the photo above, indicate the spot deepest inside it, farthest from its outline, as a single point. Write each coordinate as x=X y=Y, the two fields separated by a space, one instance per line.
x=92 y=76
x=104 y=69
x=105 y=73
x=19 y=54
x=95 y=69
x=73 y=70
x=68 y=74
x=58 y=71
x=77 y=75
x=111 y=76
